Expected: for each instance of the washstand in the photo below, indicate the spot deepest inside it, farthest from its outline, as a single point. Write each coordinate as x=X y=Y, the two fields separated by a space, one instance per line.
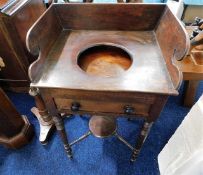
x=105 y=60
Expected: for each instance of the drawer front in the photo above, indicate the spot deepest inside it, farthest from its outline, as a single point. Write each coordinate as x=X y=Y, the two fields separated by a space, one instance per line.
x=100 y=107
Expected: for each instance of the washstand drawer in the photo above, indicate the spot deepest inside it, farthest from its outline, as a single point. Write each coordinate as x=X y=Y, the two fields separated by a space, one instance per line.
x=102 y=107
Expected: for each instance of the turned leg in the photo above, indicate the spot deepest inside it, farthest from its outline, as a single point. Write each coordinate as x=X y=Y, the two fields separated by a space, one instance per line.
x=143 y=135
x=58 y=121
x=40 y=111
x=190 y=92
x=62 y=133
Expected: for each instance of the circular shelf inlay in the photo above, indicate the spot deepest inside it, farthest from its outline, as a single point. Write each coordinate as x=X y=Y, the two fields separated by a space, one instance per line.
x=104 y=60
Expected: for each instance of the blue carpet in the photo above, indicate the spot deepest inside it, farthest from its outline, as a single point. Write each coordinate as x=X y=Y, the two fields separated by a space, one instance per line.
x=93 y=156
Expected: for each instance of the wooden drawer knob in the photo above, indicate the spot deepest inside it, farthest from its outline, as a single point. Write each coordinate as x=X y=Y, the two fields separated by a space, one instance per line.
x=75 y=106
x=129 y=110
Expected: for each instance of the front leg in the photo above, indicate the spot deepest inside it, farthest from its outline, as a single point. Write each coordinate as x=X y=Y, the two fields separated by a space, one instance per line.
x=58 y=121
x=154 y=113
x=62 y=133
x=40 y=111
x=141 y=139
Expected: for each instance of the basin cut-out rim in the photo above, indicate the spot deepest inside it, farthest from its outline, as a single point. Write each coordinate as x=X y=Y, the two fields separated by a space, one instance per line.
x=104 y=60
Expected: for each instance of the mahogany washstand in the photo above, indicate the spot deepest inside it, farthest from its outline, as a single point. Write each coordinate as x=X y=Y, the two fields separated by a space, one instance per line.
x=106 y=60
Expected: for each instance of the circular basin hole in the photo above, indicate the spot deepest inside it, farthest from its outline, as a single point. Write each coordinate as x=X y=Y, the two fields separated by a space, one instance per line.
x=104 y=60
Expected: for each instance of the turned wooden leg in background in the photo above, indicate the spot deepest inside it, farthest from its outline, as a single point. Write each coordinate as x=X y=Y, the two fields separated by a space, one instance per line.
x=141 y=138
x=40 y=111
x=62 y=133
x=15 y=130
x=190 y=92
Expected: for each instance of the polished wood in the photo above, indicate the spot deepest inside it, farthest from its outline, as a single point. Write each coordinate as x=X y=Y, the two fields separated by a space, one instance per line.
x=106 y=16
x=80 y=40
x=41 y=112
x=141 y=138
x=40 y=104
x=172 y=51
x=102 y=126
x=58 y=123
x=192 y=69
x=16 y=17
x=53 y=30
x=104 y=61
x=153 y=113
x=190 y=92
x=192 y=74
x=15 y=130
x=136 y=41
x=102 y=107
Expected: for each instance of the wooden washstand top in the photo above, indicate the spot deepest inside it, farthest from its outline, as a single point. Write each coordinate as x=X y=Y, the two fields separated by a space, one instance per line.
x=108 y=47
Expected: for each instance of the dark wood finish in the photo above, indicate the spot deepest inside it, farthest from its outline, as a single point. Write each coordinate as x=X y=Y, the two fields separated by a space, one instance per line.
x=154 y=112
x=16 y=17
x=102 y=107
x=15 y=130
x=192 y=69
x=40 y=105
x=102 y=126
x=87 y=1
x=58 y=123
x=62 y=133
x=133 y=42
x=141 y=138
x=192 y=74
x=53 y=30
x=190 y=92
x=141 y=30
x=167 y=32
x=106 y=17
x=41 y=112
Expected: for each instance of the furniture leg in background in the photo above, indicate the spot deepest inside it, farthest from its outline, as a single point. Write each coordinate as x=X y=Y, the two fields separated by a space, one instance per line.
x=192 y=67
x=190 y=92
x=15 y=130
x=40 y=111
x=192 y=75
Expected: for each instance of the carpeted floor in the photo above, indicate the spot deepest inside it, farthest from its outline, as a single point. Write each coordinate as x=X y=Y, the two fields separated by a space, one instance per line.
x=93 y=156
